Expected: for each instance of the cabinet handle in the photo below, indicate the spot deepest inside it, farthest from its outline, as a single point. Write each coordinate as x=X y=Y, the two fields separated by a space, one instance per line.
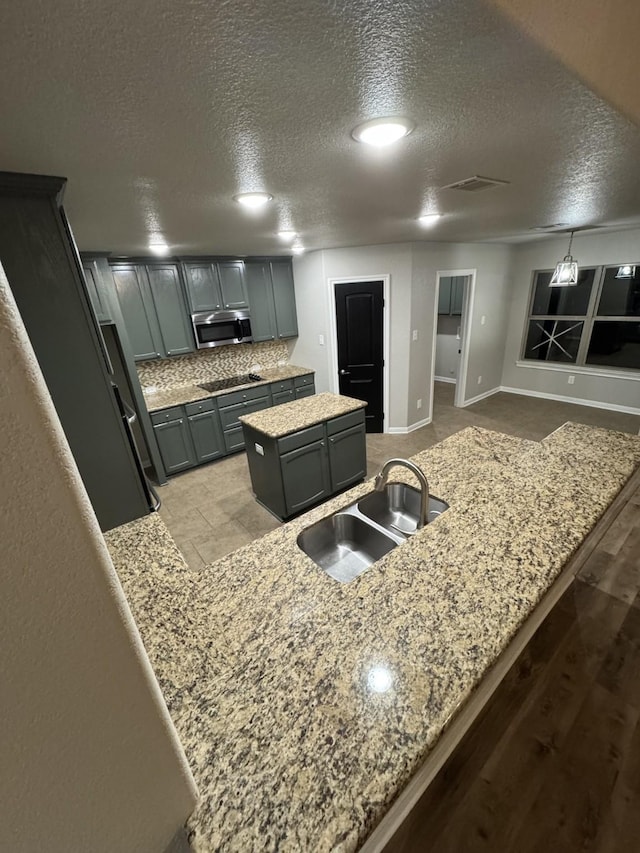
x=322 y=444
x=158 y=354
x=332 y=440
x=180 y=421
x=271 y=338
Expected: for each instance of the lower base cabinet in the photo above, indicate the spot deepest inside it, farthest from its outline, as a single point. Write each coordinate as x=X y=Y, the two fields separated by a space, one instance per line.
x=295 y=472
x=209 y=429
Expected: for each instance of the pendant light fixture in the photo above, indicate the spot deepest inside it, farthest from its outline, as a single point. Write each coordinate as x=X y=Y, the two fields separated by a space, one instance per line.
x=566 y=271
x=626 y=271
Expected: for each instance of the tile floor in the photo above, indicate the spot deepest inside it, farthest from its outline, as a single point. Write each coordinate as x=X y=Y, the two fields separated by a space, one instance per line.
x=211 y=510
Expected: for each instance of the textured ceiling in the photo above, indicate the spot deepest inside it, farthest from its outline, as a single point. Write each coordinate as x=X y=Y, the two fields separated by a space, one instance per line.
x=158 y=112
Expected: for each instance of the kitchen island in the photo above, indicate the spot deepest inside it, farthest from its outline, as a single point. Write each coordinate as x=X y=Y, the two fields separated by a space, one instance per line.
x=306 y=706
x=303 y=452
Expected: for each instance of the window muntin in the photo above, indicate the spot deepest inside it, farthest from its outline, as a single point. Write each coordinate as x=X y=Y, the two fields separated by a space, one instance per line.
x=567 y=325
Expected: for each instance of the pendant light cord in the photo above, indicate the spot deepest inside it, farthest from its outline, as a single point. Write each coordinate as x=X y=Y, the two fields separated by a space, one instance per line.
x=570 y=242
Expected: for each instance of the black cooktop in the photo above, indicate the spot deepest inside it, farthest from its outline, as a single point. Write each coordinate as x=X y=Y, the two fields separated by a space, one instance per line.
x=230 y=382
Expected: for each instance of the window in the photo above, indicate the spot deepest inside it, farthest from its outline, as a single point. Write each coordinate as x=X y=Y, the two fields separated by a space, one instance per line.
x=595 y=323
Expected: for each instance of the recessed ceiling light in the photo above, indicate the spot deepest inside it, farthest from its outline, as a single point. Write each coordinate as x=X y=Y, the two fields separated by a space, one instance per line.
x=158 y=247
x=286 y=235
x=429 y=219
x=253 y=200
x=382 y=131
x=297 y=250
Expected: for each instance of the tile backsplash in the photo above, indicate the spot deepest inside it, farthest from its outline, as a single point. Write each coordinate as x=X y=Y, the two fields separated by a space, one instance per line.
x=216 y=363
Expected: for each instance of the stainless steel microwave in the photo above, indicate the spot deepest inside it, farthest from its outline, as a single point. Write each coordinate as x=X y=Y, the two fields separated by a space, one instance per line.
x=221 y=328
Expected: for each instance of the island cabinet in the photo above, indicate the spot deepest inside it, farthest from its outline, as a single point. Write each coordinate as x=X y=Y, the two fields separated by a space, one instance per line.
x=215 y=285
x=293 y=472
x=154 y=309
x=272 y=300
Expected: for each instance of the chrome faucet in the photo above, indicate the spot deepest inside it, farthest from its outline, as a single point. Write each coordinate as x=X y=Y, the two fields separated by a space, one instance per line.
x=381 y=481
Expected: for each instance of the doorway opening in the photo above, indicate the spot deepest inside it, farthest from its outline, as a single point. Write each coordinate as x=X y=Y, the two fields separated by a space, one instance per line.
x=360 y=339
x=454 y=300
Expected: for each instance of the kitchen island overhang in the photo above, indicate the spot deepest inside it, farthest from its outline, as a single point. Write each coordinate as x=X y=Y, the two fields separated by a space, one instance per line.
x=273 y=671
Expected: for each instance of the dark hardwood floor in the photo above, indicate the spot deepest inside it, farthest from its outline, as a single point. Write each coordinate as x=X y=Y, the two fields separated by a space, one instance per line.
x=553 y=761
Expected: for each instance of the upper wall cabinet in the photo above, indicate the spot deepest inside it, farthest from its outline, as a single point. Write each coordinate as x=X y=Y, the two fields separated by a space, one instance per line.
x=154 y=309
x=215 y=286
x=96 y=290
x=271 y=299
x=451 y=294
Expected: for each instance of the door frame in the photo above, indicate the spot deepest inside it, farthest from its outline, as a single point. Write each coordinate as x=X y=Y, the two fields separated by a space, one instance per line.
x=465 y=326
x=386 y=327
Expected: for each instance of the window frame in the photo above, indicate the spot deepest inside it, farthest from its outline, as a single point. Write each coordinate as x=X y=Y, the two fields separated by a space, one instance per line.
x=588 y=320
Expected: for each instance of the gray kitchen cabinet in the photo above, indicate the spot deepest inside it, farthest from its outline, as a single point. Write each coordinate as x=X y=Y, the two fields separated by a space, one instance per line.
x=305 y=478
x=284 y=299
x=171 y=429
x=282 y=392
x=232 y=285
x=451 y=295
x=347 y=452
x=141 y=323
x=206 y=433
x=304 y=386
x=296 y=471
x=231 y=406
x=260 y=292
x=153 y=309
x=95 y=289
x=272 y=300
x=203 y=286
x=171 y=309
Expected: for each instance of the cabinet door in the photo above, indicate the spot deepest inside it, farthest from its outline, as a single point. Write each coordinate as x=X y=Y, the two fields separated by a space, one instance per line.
x=208 y=441
x=282 y=397
x=305 y=391
x=171 y=310
x=132 y=288
x=175 y=445
x=96 y=291
x=305 y=476
x=347 y=457
x=203 y=286
x=284 y=299
x=457 y=294
x=232 y=284
x=260 y=292
x=444 y=296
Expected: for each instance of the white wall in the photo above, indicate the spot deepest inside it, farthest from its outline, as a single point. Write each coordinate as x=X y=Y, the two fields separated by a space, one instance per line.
x=412 y=268
x=313 y=299
x=491 y=300
x=589 y=250
x=88 y=755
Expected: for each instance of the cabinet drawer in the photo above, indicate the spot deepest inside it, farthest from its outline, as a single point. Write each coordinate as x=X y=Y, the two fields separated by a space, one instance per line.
x=285 y=385
x=307 y=391
x=307 y=379
x=241 y=396
x=229 y=414
x=200 y=406
x=345 y=421
x=299 y=439
x=283 y=397
x=165 y=415
x=234 y=439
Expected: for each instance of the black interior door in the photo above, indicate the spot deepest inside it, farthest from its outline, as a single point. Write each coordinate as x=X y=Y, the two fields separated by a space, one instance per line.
x=359 y=326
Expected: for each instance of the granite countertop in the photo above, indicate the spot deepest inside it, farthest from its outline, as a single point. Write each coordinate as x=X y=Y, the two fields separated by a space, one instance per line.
x=191 y=393
x=298 y=414
x=306 y=705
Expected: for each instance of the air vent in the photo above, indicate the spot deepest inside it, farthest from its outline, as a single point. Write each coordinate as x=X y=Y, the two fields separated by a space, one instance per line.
x=475 y=184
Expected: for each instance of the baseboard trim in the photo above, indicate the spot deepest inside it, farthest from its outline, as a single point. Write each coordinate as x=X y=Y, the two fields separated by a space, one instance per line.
x=483 y=396
x=594 y=404
x=445 y=379
x=411 y=428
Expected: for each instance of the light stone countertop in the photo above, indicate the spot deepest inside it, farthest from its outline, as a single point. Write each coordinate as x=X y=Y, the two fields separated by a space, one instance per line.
x=156 y=400
x=269 y=667
x=299 y=414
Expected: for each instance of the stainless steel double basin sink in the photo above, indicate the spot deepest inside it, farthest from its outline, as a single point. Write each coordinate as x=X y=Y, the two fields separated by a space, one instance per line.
x=346 y=543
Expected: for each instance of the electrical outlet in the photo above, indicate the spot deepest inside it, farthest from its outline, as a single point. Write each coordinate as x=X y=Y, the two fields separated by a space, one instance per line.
x=479 y=380
x=321 y=340
x=419 y=403
x=414 y=335
x=571 y=379
x=483 y=320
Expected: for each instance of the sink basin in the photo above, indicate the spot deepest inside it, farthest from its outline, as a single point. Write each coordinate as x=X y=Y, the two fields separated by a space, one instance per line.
x=344 y=545
x=398 y=508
